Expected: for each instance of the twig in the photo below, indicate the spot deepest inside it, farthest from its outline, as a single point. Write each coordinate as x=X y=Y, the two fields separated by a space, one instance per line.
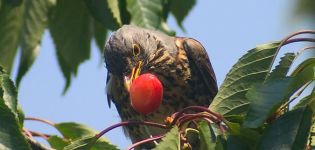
x=41 y=120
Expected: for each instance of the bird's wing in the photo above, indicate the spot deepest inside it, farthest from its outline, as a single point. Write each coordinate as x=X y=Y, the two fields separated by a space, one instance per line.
x=113 y=91
x=108 y=93
x=197 y=55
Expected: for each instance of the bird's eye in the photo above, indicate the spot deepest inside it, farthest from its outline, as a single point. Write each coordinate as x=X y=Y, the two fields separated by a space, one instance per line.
x=136 y=49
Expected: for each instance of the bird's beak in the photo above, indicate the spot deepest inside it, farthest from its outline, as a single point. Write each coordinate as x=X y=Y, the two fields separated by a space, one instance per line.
x=134 y=74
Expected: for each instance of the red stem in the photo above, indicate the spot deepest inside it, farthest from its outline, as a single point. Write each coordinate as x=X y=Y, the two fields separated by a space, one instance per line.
x=126 y=123
x=199 y=108
x=289 y=41
x=43 y=135
x=27 y=133
x=198 y=116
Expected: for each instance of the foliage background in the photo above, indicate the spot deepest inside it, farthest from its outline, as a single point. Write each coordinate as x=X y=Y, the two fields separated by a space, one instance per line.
x=225 y=28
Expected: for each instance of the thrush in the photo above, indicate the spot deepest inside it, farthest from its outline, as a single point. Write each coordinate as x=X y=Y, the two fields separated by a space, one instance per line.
x=181 y=64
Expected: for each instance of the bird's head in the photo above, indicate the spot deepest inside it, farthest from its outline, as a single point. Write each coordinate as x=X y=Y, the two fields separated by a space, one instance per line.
x=131 y=51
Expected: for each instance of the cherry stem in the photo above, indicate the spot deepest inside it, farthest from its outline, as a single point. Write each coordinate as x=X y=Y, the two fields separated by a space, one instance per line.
x=194 y=117
x=295 y=34
x=40 y=120
x=27 y=132
x=127 y=123
x=289 y=41
x=43 y=135
x=200 y=108
x=145 y=141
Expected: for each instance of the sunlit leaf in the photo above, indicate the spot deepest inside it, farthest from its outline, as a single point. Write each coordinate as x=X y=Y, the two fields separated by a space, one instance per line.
x=10 y=26
x=114 y=7
x=207 y=139
x=10 y=132
x=170 y=141
x=76 y=131
x=166 y=29
x=20 y=115
x=70 y=27
x=72 y=130
x=35 y=21
x=84 y=143
x=57 y=143
x=250 y=68
x=9 y=96
x=9 y=92
x=145 y=13
x=290 y=131
x=303 y=65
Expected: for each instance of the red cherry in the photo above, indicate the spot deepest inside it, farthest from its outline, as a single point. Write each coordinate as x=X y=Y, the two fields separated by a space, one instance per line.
x=146 y=93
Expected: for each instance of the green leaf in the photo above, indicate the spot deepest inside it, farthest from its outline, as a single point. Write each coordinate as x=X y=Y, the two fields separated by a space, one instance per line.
x=307 y=63
x=307 y=101
x=305 y=9
x=147 y=14
x=251 y=68
x=101 y=12
x=11 y=136
x=10 y=26
x=192 y=136
x=124 y=14
x=236 y=143
x=221 y=143
x=13 y=3
x=9 y=93
x=21 y=115
x=85 y=143
x=282 y=69
x=290 y=131
x=166 y=29
x=170 y=141
x=75 y=131
x=114 y=7
x=9 y=96
x=248 y=136
x=207 y=139
x=181 y=9
x=268 y=97
x=265 y=100
x=311 y=141
x=35 y=21
x=100 y=35
x=57 y=142
x=71 y=29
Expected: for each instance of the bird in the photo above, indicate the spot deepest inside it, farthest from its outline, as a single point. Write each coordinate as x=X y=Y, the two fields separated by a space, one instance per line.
x=181 y=64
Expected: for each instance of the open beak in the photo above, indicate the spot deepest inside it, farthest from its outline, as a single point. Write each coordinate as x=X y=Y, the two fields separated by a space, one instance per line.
x=134 y=74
